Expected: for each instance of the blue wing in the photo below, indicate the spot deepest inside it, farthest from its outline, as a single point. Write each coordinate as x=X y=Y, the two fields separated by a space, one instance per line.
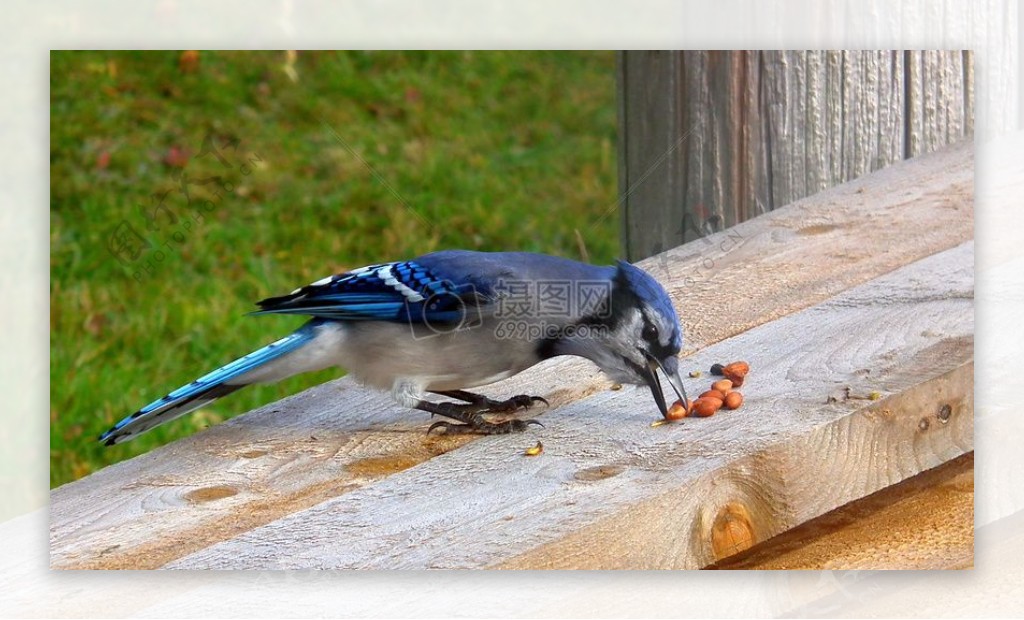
x=400 y=292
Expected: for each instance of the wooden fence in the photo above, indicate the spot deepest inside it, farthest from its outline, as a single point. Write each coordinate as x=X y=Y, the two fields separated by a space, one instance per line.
x=709 y=139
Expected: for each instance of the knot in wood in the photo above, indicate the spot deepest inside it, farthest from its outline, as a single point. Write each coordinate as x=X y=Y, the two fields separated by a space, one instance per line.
x=732 y=530
x=210 y=494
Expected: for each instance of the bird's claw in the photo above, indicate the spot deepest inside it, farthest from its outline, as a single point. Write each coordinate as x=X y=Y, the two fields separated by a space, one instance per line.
x=470 y=417
x=484 y=428
x=522 y=401
x=444 y=425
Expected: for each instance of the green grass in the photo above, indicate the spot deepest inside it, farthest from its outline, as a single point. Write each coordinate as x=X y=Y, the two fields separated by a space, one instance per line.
x=485 y=150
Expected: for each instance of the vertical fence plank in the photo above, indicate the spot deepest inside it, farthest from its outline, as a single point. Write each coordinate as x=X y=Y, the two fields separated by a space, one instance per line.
x=936 y=106
x=651 y=173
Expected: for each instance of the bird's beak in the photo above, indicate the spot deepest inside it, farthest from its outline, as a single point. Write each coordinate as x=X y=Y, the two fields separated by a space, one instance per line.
x=651 y=377
x=671 y=369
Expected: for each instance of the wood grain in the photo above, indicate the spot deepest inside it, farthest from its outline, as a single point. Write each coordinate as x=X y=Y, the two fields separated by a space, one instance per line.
x=339 y=437
x=924 y=522
x=760 y=130
x=989 y=590
x=612 y=492
x=778 y=263
x=935 y=80
x=652 y=132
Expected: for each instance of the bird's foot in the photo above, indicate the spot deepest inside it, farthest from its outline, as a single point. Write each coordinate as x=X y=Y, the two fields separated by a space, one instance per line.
x=482 y=427
x=471 y=415
x=522 y=401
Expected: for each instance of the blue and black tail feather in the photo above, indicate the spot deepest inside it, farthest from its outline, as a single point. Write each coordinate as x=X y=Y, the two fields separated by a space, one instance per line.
x=205 y=389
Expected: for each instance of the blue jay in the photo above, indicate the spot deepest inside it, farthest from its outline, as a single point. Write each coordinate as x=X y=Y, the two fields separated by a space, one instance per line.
x=443 y=323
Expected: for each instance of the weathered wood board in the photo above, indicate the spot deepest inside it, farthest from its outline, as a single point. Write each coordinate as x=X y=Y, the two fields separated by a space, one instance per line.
x=712 y=138
x=876 y=532
x=612 y=492
x=339 y=437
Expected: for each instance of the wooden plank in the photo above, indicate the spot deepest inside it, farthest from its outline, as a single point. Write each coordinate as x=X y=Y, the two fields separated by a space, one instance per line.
x=762 y=129
x=612 y=492
x=875 y=531
x=873 y=112
x=936 y=99
x=338 y=437
x=818 y=246
x=988 y=591
x=651 y=135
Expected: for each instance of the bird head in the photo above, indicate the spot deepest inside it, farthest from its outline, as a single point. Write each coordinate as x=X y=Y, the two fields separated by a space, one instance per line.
x=640 y=334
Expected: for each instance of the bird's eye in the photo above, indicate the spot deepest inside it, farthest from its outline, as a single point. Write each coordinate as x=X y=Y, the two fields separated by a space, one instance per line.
x=650 y=333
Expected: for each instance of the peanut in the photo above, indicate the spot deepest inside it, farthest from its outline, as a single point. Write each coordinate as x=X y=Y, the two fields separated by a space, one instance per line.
x=676 y=411
x=733 y=400
x=713 y=394
x=722 y=386
x=706 y=406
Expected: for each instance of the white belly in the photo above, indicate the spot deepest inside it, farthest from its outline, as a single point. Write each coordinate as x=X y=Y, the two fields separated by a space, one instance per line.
x=384 y=354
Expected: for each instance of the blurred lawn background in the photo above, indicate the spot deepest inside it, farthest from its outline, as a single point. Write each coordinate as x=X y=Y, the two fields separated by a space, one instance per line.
x=475 y=150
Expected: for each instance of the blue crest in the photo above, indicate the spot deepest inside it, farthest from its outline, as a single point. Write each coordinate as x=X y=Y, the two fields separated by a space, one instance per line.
x=652 y=293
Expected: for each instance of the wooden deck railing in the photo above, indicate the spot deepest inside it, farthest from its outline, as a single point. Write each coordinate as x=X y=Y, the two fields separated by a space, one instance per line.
x=868 y=285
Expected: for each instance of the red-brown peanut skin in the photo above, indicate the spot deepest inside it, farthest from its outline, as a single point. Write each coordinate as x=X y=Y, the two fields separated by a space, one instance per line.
x=677 y=411
x=733 y=400
x=723 y=386
x=706 y=407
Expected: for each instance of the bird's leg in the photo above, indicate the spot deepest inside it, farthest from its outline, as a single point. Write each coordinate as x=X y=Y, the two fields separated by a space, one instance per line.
x=472 y=419
x=522 y=401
